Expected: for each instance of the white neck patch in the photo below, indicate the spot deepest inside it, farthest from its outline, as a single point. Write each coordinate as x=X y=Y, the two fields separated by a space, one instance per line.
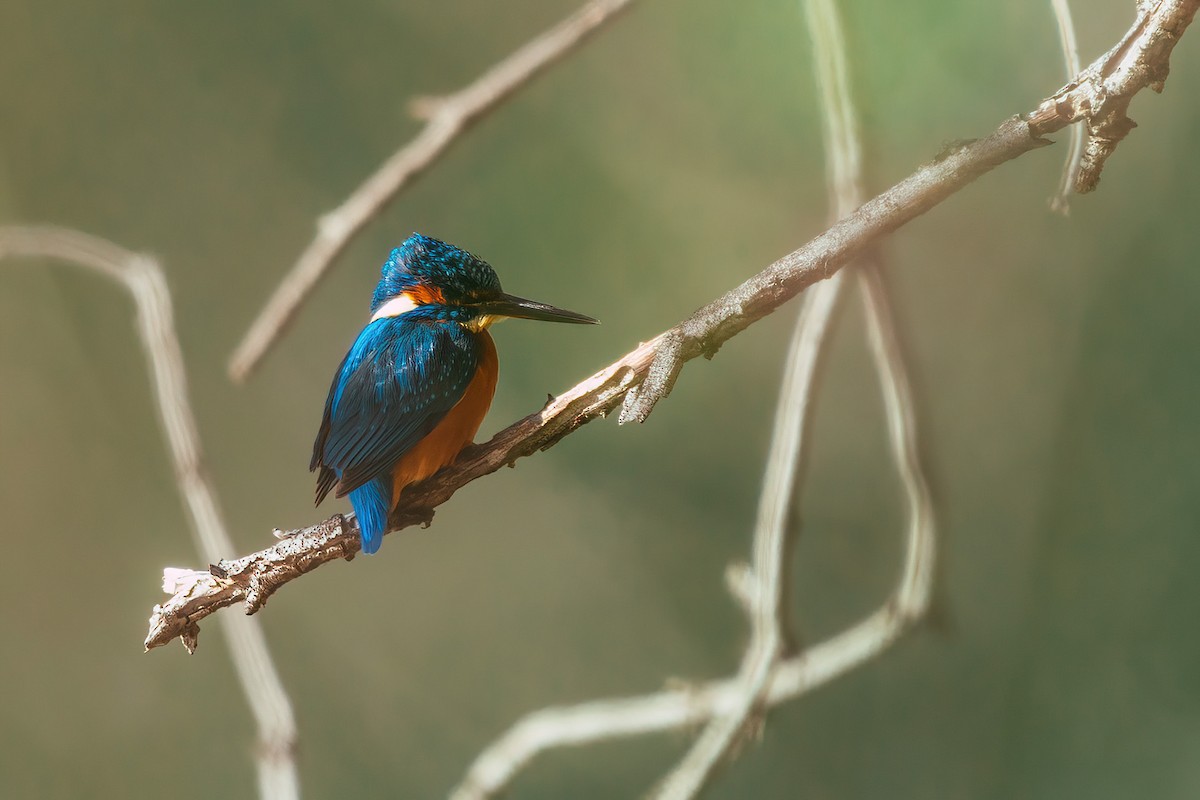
x=400 y=304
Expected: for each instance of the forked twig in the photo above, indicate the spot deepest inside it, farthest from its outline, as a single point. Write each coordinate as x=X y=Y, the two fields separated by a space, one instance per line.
x=1100 y=95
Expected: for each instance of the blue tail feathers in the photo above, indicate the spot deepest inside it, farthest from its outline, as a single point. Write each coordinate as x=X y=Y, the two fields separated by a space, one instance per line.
x=372 y=501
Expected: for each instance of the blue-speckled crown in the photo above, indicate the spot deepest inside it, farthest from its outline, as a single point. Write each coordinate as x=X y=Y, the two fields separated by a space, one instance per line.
x=423 y=260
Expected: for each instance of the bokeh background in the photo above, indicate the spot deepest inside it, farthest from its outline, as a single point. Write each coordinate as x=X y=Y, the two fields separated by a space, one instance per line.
x=674 y=155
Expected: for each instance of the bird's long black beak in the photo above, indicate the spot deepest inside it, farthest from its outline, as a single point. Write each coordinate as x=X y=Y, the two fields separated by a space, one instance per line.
x=507 y=305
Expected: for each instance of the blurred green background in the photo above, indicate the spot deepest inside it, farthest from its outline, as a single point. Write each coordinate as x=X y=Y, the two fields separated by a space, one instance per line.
x=674 y=155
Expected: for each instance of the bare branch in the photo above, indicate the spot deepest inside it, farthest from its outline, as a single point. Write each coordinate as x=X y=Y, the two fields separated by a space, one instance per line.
x=702 y=333
x=1060 y=202
x=446 y=118
x=144 y=279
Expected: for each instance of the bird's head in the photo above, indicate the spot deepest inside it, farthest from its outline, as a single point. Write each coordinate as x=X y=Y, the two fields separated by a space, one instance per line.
x=447 y=283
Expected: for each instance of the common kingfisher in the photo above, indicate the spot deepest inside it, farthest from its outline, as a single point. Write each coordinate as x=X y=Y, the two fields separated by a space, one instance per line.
x=415 y=386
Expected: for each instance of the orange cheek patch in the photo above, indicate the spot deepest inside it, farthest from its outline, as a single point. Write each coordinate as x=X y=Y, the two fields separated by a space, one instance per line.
x=424 y=295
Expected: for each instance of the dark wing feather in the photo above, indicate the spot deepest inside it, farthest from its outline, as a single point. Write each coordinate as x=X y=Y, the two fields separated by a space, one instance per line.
x=326 y=478
x=399 y=380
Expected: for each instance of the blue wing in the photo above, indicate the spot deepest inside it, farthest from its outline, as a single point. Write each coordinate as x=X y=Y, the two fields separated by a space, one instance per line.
x=400 y=378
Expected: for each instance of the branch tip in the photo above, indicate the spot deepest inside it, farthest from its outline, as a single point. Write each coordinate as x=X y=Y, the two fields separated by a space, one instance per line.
x=740 y=581
x=660 y=379
x=425 y=107
x=190 y=638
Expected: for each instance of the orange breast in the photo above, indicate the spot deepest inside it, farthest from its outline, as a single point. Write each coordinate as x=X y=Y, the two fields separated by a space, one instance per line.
x=456 y=430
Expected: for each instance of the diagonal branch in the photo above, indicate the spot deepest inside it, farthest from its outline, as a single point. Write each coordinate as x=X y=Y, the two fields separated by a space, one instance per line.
x=446 y=119
x=144 y=280
x=252 y=579
x=601 y=720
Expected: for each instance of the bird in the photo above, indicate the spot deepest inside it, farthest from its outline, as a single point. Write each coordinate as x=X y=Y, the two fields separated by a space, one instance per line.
x=418 y=380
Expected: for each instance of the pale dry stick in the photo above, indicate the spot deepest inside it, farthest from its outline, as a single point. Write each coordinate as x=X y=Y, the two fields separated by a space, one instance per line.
x=277 y=776
x=446 y=118
x=761 y=587
x=1060 y=202
x=1140 y=60
x=844 y=143
x=839 y=118
x=843 y=146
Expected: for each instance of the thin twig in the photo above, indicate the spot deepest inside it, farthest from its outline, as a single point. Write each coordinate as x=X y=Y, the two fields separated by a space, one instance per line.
x=446 y=118
x=839 y=118
x=277 y=776
x=846 y=188
x=253 y=578
x=916 y=584
x=843 y=146
x=761 y=586
x=1061 y=202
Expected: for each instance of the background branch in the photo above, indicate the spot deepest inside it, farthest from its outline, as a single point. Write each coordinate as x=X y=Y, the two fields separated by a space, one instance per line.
x=446 y=118
x=143 y=278
x=1140 y=60
x=766 y=583
x=1074 y=160
x=762 y=588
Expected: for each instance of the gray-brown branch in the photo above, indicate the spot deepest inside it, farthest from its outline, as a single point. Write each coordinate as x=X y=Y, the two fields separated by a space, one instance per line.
x=644 y=376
